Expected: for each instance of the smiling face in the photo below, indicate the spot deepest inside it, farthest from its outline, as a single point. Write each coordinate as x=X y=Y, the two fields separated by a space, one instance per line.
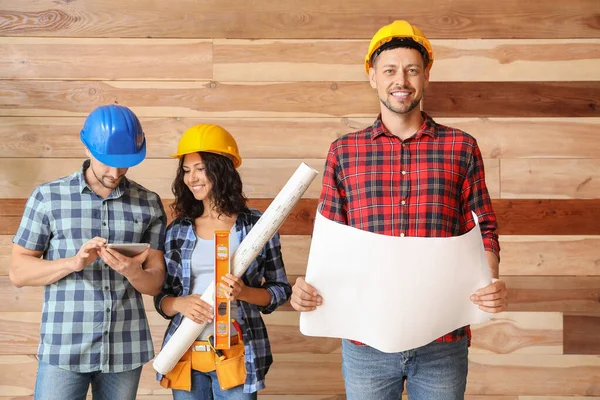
x=195 y=178
x=400 y=78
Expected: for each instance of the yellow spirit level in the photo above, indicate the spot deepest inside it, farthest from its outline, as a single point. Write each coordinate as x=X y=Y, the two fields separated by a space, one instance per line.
x=222 y=305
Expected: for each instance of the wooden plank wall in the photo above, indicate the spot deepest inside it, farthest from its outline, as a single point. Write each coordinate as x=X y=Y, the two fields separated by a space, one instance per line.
x=285 y=77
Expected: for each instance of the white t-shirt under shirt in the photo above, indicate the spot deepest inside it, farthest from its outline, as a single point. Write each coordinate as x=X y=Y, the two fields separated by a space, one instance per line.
x=203 y=272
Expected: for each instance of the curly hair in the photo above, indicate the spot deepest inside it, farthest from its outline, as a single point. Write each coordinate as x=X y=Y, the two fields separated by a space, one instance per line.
x=226 y=188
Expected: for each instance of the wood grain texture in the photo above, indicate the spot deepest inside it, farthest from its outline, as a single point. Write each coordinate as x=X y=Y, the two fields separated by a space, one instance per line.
x=550 y=255
x=558 y=294
x=300 y=99
x=291 y=19
x=534 y=375
x=535 y=294
x=515 y=217
x=550 y=178
x=455 y=60
x=581 y=334
x=548 y=217
x=519 y=333
x=103 y=59
x=299 y=222
x=58 y=137
x=5 y=251
x=262 y=178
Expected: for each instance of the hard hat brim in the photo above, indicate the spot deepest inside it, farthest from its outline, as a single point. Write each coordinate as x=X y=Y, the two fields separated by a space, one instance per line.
x=237 y=161
x=121 y=160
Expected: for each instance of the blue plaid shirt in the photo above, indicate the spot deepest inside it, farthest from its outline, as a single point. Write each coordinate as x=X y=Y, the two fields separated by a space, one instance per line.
x=181 y=239
x=94 y=319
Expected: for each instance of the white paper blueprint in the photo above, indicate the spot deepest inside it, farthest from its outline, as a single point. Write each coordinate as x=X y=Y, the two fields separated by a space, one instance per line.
x=392 y=293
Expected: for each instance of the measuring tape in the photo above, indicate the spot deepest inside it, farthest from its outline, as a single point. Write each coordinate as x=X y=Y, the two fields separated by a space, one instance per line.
x=222 y=306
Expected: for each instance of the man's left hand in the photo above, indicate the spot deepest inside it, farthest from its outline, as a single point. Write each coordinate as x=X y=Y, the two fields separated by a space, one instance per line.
x=492 y=298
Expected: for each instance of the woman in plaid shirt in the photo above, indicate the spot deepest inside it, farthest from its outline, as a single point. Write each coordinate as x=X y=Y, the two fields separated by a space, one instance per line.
x=208 y=197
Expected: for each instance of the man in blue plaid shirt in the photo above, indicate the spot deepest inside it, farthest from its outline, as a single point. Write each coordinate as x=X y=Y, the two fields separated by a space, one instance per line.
x=94 y=328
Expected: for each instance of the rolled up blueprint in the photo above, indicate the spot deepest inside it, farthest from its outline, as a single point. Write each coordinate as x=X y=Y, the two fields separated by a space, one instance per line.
x=266 y=227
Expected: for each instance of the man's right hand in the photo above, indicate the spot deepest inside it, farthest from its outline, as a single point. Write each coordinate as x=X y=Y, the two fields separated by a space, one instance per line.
x=194 y=308
x=88 y=253
x=304 y=296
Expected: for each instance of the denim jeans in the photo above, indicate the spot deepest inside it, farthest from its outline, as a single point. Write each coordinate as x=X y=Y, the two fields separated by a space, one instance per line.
x=205 y=386
x=54 y=383
x=436 y=371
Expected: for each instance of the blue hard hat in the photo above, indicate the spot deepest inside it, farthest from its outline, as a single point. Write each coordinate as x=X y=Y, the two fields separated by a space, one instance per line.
x=114 y=136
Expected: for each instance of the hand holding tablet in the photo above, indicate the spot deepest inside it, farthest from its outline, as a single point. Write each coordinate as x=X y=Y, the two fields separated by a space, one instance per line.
x=128 y=249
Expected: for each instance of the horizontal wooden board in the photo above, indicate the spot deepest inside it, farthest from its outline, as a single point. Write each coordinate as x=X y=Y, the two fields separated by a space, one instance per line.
x=550 y=178
x=509 y=332
x=559 y=294
x=515 y=217
x=581 y=334
x=548 y=217
x=534 y=375
x=455 y=60
x=262 y=178
x=58 y=137
x=542 y=293
x=549 y=294
x=521 y=255
x=103 y=59
x=519 y=333
x=299 y=222
x=292 y=19
x=298 y=99
x=321 y=374
x=550 y=255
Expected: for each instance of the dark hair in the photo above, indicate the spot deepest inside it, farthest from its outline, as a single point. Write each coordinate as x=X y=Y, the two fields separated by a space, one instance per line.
x=226 y=188
x=407 y=43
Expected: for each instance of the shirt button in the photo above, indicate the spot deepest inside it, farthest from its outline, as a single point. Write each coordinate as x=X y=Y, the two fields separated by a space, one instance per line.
x=404 y=172
x=105 y=287
x=105 y=333
x=104 y=223
x=403 y=202
x=402 y=235
x=108 y=310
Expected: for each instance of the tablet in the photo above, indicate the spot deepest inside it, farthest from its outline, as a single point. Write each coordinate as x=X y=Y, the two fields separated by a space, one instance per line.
x=128 y=249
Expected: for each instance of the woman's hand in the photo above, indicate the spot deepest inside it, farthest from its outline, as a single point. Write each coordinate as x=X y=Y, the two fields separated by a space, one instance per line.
x=194 y=308
x=233 y=287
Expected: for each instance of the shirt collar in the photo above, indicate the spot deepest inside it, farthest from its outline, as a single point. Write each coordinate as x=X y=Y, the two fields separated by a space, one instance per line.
x=429 y=128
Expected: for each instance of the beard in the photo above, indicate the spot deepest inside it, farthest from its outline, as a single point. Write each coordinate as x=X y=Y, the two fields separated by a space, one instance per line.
x=104 y=180
x=401 y=108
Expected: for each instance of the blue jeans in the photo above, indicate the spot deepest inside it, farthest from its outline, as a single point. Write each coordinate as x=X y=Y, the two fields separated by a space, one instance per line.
x=437 y=371
x=54 y=383
x=205 y=386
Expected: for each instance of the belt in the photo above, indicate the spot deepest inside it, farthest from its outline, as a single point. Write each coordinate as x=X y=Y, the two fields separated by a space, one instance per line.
x=203 y=345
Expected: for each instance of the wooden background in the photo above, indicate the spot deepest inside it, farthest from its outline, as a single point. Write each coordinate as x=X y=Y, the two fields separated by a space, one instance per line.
x=286 y=78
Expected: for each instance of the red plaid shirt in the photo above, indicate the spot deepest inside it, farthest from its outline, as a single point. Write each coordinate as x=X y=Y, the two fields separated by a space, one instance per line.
x=424 y=186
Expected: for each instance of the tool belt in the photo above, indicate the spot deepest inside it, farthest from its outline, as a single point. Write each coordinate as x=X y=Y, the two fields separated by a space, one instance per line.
x=201 y=356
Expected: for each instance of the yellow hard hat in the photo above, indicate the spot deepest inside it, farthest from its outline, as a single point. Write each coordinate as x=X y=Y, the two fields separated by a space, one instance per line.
x=209 y=138
x=398 y=29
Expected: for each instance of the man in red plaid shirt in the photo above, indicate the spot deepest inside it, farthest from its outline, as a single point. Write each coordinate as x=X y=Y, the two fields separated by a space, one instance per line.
x=406 y=175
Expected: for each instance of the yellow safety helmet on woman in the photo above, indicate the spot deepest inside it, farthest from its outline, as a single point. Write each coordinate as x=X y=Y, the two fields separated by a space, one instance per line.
x=399 y=30
x=209 y=138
